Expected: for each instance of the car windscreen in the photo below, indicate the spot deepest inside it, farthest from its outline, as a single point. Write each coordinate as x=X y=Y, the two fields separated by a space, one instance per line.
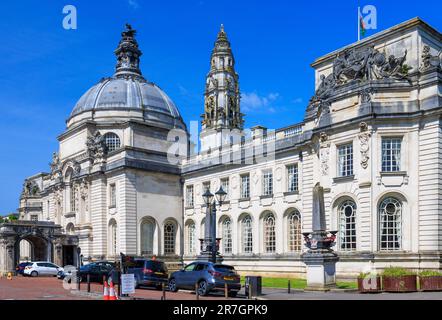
x=223 y=268
x=156 y=266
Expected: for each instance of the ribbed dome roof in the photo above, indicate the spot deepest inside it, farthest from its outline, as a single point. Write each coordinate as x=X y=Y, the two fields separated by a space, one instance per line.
x=126 y=93
x=128 y=90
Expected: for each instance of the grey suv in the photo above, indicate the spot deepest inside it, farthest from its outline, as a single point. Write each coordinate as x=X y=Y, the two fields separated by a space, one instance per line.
x=207 y=277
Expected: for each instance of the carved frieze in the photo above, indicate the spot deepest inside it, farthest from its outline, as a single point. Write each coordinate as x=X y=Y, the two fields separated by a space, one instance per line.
x=364 y=140
x=96 y=148
x=324 y=153
x=428 y=60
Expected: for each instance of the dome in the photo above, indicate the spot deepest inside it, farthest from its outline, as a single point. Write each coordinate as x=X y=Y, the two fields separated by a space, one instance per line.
x=127 y=91
x=124 y=94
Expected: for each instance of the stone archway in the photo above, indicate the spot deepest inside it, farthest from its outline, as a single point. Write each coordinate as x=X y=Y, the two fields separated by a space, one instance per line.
x=47 y=243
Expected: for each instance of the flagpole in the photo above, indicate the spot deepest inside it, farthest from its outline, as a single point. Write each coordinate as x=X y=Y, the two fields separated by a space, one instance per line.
x=359 y=23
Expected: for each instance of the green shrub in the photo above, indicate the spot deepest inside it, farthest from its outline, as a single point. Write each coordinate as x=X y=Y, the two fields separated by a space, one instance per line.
x=430 y=273
x=397 y=272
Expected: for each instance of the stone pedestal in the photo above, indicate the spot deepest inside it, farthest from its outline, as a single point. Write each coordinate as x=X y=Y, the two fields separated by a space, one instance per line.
x=321 y=270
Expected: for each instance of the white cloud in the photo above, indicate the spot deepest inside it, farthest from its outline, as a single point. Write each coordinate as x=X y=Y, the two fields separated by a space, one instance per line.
x=133 y=4
x=254 y=102
x=297 y=100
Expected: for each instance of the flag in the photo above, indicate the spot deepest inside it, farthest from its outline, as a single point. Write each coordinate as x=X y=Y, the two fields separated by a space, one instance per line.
x=362 y=28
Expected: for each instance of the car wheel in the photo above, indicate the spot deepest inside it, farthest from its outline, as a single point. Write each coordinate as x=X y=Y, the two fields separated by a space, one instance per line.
x=172 y=285
x=34 y=274
x=233 y=294
x=203 y=289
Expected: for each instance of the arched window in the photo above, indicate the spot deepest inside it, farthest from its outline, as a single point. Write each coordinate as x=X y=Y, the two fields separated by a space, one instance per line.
x=247 y=234
x=169 y=238
x=269 y=233
x=390 y=224
x=191 y=238
x=294 y=232
x=112 y=141
x=226 y=228
x=147 y=236
x=113 y=234
x=70 y=229
x=347 y=225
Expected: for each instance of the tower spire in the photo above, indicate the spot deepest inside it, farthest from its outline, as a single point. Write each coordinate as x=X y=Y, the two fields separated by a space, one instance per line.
x=222 y=95
x=128 y=54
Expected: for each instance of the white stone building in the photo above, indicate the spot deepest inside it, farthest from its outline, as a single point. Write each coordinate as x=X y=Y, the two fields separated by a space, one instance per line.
x=371 y=136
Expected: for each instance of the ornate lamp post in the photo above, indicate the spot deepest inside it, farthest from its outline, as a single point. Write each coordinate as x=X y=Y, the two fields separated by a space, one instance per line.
x=210 y=250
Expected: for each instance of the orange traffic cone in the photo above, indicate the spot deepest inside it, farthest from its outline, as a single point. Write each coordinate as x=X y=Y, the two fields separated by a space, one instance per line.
x=105 y=291
x=112 y=295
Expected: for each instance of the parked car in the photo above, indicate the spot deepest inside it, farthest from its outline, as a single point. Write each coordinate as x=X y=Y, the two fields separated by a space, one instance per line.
x=42 y=268
x=149 y=273
x=207 y=276
x=96 y=271
x=20 y=269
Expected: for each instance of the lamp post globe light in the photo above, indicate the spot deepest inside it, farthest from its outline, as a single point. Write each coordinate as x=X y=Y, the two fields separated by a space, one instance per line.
x=210 y=251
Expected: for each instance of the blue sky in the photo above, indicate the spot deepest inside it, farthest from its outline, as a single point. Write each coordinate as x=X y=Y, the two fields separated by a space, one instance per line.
x=45 y=68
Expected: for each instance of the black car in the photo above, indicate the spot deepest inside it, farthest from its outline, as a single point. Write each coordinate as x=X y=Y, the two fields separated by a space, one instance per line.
x=96 y=271
x=21 y=267
x=149 y=273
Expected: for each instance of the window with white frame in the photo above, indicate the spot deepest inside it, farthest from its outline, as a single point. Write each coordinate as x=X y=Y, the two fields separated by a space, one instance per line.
x=391 y=154
x=225 y=185
x=345 y=160
x=269 y=233
x=245 y=186
x=113 y=195
x=191 y=238
x=227 y=235
x=294 y=232
x=113 y=234
x=347 y=226
x=267 y=183
x=34 y=217
x=169 y=238
x=189 y=196
x=292 y=178
x=112 y=141
x=147 y=236
x=390 y=224
x=247 y=234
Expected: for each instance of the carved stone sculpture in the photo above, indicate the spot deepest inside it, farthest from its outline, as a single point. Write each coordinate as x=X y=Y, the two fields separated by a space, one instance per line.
x=364 y=139
x=96 y=148
x=324 y=153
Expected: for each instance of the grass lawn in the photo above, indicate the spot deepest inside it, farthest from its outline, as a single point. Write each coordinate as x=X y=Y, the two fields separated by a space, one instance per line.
x=297 y=283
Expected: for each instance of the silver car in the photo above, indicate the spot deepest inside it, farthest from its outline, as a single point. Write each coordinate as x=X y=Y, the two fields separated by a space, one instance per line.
x=42 y=268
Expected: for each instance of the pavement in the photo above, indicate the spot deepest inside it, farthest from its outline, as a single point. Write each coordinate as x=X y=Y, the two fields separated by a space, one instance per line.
x=50 y=288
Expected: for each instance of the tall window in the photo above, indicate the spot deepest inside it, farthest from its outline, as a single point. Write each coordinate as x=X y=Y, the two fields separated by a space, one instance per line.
x=267 y=183
x=191 y=238
x=169 y=238
x=113 y=195
x=113 y=234
x=345 y=160
x=245 y=186
x=269 y=233
x=112 y=141
x=292 y=178
x=247 y=235
x=347 y=225
x=225 y=185
x=391 y=154
x=390 y=211
x=294 y=232
x=147 y=236
x=189 y=196
x=72 y=199
x=34 y=217
x=227 y=236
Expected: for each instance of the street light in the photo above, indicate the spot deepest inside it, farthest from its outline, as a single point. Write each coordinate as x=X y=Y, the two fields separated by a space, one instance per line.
x=221 y=195
x=208 y=197
x=210 y=239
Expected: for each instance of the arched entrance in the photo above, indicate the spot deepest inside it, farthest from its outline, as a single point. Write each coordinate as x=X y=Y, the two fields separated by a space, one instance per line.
x=35 y=241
